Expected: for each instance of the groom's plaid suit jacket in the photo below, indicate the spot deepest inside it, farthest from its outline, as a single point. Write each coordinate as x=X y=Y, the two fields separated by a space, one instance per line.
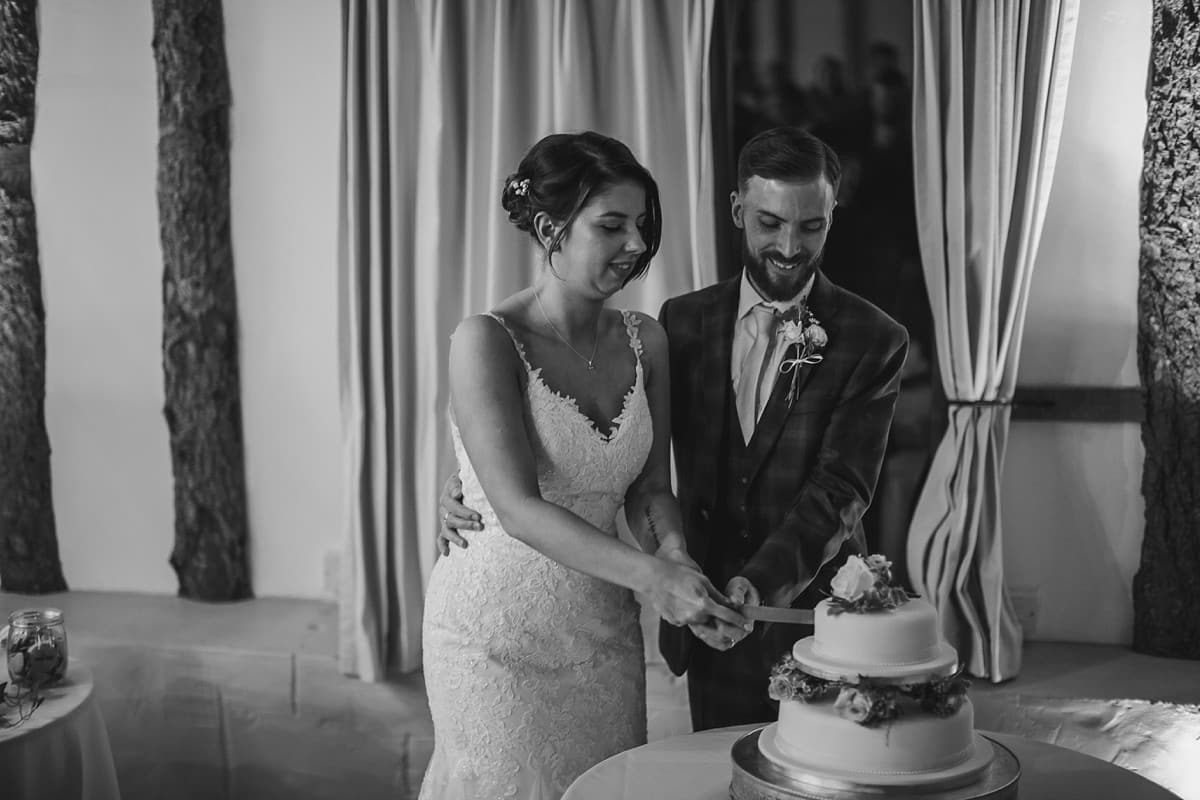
x=813 y=466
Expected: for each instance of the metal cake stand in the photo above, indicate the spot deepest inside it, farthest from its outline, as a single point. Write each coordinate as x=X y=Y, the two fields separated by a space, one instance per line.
x=756 y=777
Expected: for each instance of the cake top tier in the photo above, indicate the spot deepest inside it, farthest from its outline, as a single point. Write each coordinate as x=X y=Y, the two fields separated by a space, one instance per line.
x=871 y=628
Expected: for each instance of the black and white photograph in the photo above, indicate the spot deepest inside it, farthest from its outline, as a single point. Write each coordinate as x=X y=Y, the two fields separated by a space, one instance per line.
x=599 y=399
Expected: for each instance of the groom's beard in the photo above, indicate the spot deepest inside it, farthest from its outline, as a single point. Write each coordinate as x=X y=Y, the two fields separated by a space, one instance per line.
x=772 y=284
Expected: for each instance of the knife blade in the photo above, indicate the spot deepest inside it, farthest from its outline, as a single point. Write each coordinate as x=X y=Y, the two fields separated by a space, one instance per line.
x=793 y=616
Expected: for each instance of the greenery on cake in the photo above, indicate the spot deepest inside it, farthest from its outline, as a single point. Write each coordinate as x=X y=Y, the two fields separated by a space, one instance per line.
x=869 y=702
x=865 y=584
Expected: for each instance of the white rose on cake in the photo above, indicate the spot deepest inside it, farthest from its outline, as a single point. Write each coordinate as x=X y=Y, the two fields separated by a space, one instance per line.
x=853 y=580
x=853 y=705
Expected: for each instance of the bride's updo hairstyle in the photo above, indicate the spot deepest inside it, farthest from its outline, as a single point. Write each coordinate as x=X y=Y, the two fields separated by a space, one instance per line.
x=563 y=171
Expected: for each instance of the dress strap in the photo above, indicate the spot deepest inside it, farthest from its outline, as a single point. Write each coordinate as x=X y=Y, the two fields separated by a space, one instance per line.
x=632 y=321
x=520 y=348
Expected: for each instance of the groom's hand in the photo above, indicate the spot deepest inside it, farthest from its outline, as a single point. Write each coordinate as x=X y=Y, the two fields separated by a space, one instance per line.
x=455 y=516
x=720 y=635
x=742 y=592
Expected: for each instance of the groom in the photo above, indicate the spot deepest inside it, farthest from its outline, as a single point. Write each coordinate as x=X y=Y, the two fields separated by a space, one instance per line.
x=782 y=392
x=777 y=444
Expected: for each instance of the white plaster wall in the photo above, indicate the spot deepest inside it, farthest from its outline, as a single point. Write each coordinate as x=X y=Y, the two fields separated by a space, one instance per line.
x=1072 y=507
x=94 y=162
x=285 y=68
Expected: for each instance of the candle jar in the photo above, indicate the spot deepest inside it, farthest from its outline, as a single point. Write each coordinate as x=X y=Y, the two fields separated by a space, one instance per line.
x=35 y=644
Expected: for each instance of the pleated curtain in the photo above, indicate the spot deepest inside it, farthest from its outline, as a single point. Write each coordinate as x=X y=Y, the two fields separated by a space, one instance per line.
x=989 y=91
x=441 y=98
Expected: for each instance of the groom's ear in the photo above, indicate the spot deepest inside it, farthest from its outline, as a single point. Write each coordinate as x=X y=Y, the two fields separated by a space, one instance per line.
x=736 y=208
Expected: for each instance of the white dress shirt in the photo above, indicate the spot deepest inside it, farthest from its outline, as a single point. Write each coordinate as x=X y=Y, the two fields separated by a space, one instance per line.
x=743 y=336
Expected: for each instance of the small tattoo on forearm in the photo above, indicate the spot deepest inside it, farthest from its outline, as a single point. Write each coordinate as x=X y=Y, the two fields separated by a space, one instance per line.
x=650 y=521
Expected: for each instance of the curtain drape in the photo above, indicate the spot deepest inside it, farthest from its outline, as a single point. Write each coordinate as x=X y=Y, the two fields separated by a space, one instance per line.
x=989 y=91
x=441 y=98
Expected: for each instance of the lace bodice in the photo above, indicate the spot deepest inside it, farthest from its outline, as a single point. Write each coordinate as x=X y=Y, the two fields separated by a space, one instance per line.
x=535 y=672
x=579 y=468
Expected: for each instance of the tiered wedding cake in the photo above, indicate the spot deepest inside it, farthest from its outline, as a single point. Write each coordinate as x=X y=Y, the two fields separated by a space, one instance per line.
x=874 y=700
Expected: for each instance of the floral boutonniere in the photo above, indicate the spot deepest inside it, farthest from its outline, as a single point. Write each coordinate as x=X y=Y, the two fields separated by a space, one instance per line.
x=800 y=330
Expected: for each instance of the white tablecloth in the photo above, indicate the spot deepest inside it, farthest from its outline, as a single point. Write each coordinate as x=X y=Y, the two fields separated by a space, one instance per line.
x=62 y=751
x=698 y=767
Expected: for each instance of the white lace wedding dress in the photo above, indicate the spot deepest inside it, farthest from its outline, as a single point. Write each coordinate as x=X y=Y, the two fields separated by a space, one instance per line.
x=535 y=672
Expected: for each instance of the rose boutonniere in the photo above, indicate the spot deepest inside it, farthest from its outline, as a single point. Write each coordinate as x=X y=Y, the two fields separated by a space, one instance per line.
x=802 y=332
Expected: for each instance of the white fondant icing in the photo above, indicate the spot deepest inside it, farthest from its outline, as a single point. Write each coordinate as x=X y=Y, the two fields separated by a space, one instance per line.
x=814 y=736
x=907 y=634
x=852 y=671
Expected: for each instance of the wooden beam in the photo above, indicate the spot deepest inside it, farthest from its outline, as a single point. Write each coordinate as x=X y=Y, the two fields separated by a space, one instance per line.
x=1078 y=404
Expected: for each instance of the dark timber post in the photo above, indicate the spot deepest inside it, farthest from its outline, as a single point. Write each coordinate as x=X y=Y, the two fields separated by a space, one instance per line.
x=1166 y=589
x=200 y=343
x=29 y=561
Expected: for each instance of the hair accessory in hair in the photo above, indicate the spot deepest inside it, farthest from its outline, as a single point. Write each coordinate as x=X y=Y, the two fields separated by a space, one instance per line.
x=519 y=187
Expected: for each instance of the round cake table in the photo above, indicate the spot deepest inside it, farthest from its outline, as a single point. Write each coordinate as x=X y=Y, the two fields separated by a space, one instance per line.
x=697 y=766
x=61 y=751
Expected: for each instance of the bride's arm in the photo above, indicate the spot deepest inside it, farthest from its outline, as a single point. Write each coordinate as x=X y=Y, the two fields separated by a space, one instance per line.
x=651 y=508
x=486 y=396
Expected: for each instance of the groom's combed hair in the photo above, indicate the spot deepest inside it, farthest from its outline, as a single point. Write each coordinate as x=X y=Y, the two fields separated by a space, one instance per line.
x=788 y=154
x=563 y=171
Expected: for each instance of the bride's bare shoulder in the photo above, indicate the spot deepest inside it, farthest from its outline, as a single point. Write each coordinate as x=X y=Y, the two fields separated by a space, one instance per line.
x=481 y=338
x=515 y=312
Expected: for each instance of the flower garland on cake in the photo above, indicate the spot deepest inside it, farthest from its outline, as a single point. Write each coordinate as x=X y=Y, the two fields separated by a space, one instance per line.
x=868 y=702
x=862 y=585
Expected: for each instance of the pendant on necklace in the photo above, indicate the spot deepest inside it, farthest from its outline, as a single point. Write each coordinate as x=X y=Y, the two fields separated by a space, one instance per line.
x=591 y=366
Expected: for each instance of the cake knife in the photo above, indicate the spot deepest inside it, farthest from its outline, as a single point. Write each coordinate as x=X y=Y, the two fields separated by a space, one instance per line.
x=794 y=616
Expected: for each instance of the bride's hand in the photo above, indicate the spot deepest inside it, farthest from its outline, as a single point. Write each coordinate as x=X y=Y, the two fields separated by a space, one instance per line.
x=682 y=595
x=677 y=554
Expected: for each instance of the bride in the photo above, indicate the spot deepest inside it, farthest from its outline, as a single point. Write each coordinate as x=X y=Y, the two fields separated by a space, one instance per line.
x=532 y=645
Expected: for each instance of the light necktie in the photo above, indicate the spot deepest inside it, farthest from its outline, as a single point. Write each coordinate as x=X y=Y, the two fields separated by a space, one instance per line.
x=750 y=398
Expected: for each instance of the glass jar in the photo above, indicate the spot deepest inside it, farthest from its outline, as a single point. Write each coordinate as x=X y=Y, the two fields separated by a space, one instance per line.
x=35 y=644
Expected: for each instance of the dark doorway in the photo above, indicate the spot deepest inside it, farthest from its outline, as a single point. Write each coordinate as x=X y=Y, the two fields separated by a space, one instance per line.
x=843 y=70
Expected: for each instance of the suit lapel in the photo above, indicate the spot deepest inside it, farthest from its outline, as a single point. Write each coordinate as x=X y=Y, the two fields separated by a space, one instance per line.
x=823 y=303
x=716 y=338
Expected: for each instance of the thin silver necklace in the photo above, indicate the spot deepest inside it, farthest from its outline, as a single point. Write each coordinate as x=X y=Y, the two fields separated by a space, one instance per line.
x=590 y=361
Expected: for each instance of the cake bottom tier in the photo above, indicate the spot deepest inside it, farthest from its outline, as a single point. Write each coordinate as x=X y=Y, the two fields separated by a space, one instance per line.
x=915 y=745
